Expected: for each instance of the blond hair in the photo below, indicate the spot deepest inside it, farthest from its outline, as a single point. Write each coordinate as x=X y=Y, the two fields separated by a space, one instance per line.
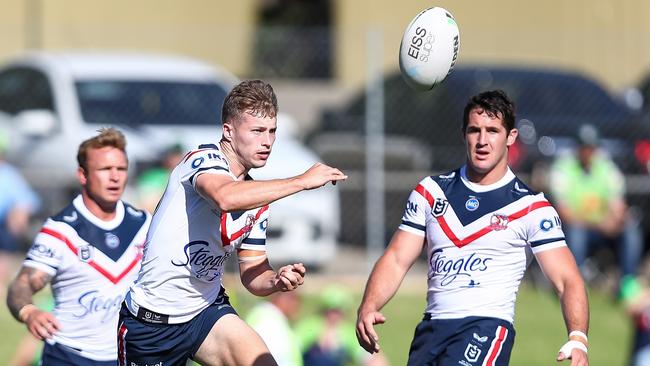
x=108 y=136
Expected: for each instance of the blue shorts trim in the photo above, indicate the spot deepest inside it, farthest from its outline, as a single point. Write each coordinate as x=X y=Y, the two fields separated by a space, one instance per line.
x=60 y=355
x=467 y=342
x=144 y=343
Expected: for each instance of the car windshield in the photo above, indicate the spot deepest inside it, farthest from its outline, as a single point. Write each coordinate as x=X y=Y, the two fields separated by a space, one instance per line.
x=136 y=103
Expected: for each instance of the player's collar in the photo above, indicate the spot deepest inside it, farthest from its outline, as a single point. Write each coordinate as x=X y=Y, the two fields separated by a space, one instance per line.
x=106 y=225
x=508 y=177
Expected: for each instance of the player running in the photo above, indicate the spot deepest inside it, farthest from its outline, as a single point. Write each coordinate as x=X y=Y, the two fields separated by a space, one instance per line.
x=480 y=224
x=90 y=252
x=212 y=210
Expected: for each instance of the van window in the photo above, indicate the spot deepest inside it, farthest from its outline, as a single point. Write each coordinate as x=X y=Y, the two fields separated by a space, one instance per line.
x=23 y=89
x=135 y=103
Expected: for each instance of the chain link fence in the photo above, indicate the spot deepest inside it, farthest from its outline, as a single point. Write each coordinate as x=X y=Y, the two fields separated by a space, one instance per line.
x=423 y=129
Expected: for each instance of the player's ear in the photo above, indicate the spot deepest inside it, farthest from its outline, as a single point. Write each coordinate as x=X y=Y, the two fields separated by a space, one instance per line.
x=512 y=137
x=227 y=131
x=81 y=176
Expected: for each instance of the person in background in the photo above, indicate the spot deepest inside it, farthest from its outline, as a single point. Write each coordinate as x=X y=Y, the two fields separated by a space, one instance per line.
x=151 y=183
x=18 y=202
x=90 y=253
x=589 y=192
x=272 y=321
x=327 y=338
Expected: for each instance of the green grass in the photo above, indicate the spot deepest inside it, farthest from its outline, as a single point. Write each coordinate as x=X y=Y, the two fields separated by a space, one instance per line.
x=539 y=325
x=538 y=322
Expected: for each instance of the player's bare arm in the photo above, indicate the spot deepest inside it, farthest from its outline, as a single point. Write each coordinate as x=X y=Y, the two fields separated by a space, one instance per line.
x=41 y=324
x=235 y=195
x=260 y=279
x=560 y=268
x=385 y=279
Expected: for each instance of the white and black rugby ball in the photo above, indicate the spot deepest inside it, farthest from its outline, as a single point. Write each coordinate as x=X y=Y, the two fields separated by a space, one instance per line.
x=429 y=48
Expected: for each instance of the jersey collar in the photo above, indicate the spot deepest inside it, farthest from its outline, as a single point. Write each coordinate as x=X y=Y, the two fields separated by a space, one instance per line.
x=106 y=225
x=508 y=177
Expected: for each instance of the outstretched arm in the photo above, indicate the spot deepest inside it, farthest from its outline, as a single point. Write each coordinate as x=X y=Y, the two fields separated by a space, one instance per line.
x=41 y=324
x=560 y=268
x=260 y=279
x=384 y=280
x=234 y=195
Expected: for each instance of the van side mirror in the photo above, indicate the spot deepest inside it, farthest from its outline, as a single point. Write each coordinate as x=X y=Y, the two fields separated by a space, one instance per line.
x=36 y=122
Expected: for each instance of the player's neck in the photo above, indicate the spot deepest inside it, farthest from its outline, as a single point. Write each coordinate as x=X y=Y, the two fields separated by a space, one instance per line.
x=104 y=212
x=236 y=167
x=490 y=177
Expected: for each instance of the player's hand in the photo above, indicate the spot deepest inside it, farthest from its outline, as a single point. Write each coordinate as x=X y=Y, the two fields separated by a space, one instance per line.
x=319 y=174
x=573 y=351
x=289 y=277
x=366 y=335
x=41 y=324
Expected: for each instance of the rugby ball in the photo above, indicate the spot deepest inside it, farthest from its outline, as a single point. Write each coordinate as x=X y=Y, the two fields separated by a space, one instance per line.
x=429 y=48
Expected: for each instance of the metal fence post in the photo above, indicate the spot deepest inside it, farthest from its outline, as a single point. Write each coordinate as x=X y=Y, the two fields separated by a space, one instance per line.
x=375 y=206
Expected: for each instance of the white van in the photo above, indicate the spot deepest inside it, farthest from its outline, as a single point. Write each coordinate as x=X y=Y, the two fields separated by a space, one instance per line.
x=50 y=102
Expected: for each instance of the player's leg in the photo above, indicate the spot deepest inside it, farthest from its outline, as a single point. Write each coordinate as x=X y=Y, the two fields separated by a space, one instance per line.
x=428 y=341
x=60 y=355
x=141 y=342
x=232 y=342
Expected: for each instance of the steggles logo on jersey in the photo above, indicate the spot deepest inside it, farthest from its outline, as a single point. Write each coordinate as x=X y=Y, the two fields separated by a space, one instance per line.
x=439 y=207
x=460 y=269
x=499 y=222
x=92 y=302
x=205 y=265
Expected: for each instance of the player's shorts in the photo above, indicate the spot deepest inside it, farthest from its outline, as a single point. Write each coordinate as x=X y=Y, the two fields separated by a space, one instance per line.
x=471 y=341
x=59 y=355
x=143 y=341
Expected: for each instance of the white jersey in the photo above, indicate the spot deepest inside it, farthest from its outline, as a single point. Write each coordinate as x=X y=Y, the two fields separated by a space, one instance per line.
x=479 y=241
x=92 y=264
x=189 y=241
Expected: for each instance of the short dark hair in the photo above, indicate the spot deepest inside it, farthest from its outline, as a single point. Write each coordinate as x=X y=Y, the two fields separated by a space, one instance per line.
x=107 y=137
x=255 y=97
x=495 y=103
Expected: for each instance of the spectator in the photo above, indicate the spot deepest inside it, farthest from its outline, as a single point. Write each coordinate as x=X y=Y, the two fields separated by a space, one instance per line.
x=18 y=202
x=152 y=182
x=328 y=338
x=589 y=192
x=271 y=320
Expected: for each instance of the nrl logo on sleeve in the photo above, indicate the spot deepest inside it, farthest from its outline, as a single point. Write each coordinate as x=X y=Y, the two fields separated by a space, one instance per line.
x=439 y=207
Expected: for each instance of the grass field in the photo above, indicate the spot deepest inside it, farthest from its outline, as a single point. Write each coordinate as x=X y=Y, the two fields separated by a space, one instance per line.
x=539 y=325
x=538 y=322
